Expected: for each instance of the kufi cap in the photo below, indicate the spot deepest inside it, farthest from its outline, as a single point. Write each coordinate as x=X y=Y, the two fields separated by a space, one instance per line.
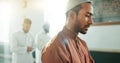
x=73 y=3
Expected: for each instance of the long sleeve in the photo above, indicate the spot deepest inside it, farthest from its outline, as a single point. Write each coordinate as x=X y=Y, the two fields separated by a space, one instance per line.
x=66 y=47
x=19 y=44
x=55 y=53
x=33 y=44
x=51 y=57
x=16 y=48
x=41 y=40
x=54 y=56
x=37 y=42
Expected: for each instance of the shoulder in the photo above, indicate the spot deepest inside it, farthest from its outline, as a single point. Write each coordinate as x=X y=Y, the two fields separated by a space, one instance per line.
x=41 y=35
x=56 y=44
x=29 y=33
x=17 y=33
x=55 y=49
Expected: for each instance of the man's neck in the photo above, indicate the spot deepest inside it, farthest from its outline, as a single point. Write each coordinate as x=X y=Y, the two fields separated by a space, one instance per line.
x=71 y=28
x=24 y=31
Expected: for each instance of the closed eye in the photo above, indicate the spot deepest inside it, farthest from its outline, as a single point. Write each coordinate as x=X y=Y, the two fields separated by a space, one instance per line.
x=87 y=15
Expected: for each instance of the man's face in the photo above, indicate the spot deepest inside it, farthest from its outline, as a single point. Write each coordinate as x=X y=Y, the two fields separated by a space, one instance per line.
x=84 y=18
x=26 y=27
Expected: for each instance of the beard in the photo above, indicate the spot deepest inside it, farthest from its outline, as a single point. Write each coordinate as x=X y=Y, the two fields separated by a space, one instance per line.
x=83 y=32
x=26 y=31
x=80 y=29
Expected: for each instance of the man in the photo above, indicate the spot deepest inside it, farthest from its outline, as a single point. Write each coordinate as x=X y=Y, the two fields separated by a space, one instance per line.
x=23 y=44
x=67 y=47
x=41 y=39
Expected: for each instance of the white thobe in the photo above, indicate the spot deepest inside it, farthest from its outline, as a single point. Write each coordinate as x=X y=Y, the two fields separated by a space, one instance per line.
x=19 y=43
x=41 y=39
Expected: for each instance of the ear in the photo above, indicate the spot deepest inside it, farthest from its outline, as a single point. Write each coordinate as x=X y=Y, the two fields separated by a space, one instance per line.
x=72 y=14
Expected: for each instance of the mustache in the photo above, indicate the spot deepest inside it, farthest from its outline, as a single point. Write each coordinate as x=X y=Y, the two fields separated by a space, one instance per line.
x=88 y=25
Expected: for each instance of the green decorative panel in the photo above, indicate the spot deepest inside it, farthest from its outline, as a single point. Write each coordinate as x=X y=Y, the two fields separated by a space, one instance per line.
x=105 y=57
x=106 y=10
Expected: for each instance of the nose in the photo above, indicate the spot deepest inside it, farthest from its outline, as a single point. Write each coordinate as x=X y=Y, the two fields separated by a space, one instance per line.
x=90 y=21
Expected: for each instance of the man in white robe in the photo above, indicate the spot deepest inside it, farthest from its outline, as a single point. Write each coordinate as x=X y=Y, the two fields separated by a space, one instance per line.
x=22 y=44
x=41 y=39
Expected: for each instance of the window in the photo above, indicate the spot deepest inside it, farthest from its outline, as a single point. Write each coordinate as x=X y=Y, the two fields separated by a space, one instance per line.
x=5 y=17
x=55 y=14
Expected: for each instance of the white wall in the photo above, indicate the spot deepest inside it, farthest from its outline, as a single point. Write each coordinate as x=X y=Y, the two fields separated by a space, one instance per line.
x=33 y=11
x=103 y=38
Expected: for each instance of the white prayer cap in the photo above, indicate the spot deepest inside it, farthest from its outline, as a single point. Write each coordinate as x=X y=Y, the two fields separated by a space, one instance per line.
x=73 y=3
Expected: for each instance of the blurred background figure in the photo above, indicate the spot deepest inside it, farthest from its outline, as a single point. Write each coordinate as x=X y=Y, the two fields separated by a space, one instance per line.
x=23 y=44
x=41 y=39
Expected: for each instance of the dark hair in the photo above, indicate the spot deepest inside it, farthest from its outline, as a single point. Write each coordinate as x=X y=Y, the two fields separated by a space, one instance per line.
x=76 y=9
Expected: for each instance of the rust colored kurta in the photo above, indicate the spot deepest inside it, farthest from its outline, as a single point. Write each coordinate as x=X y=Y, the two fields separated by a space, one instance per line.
x=66 y=47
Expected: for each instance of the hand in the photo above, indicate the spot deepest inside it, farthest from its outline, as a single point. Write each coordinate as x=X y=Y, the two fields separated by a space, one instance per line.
x=29 y=48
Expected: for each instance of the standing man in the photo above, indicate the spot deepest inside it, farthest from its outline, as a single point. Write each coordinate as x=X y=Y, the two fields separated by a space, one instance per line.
x=22 y=44
x=67 y=47
x=41 y=39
